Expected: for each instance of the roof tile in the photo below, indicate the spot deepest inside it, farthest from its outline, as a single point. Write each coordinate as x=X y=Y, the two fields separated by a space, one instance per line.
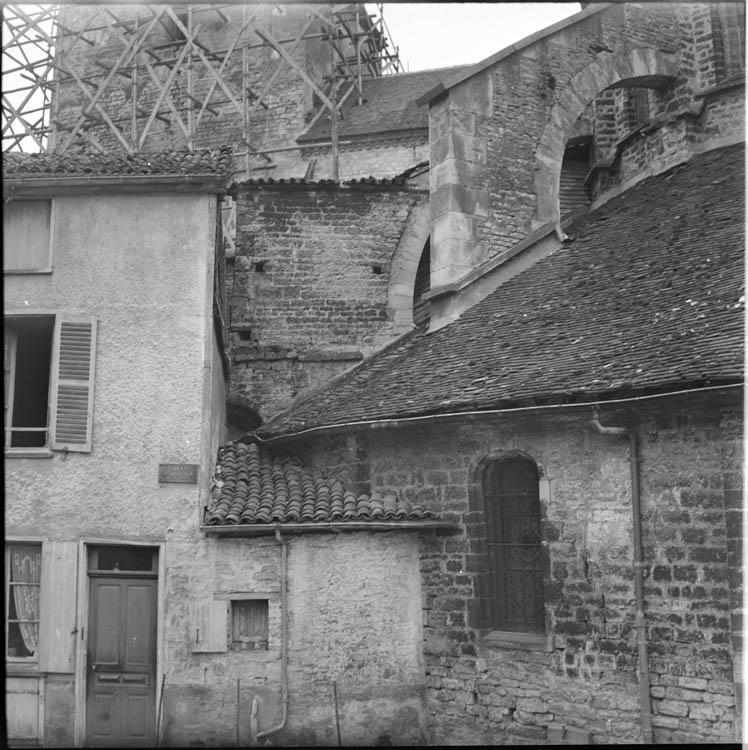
x=84 y=164
x=252 y=486
x=648 y=295
x=389 y=106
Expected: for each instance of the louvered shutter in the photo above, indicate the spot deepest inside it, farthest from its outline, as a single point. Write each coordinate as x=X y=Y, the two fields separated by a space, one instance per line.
x=71 y=410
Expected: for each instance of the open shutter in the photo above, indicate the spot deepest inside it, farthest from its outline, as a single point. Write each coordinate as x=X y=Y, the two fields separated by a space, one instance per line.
x=209 y=626
x=71 y=408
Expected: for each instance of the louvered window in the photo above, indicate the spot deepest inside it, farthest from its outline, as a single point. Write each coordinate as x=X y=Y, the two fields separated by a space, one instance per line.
x=515 y=599
x=49 y=376
x=72 y=395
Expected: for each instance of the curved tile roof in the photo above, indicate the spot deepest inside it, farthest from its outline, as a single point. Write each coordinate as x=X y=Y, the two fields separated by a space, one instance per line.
x=252 y=486
x=215 y=161
x=648 y=296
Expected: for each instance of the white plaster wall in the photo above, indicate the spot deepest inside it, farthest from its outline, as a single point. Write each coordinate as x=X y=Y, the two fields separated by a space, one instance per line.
x=142 y=265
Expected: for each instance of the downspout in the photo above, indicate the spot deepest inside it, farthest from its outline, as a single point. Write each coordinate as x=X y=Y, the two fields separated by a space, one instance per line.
x=640 y=620
x=284 y=638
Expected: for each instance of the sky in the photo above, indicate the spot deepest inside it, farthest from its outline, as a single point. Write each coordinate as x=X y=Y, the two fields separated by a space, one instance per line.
x=437 y=35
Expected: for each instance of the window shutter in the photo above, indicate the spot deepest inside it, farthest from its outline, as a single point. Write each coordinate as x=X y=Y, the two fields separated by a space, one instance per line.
x=71 y=409
x=209 y=626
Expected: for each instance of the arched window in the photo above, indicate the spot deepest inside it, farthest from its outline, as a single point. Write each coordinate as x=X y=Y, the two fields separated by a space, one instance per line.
x=512 y=507
x=422 y=307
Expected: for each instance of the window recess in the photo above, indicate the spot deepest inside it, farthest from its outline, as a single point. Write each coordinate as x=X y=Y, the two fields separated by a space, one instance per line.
x=513 y=589
x=48 y=383
x=249 y=625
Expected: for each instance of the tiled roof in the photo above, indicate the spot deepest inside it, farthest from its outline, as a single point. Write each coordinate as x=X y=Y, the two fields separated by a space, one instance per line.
x=252 y=486
x=648 y=296
x=389 y=106
x=216 y=161
x=364 y=182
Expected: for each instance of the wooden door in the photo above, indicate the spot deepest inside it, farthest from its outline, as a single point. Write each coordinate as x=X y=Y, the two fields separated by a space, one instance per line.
x=121 y=668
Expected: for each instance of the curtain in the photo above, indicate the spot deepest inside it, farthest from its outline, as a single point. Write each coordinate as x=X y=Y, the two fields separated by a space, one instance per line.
x=25 y=567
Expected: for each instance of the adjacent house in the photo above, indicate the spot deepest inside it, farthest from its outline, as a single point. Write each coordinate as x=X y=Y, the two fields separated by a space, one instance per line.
x=115 y=381
x=448 y=450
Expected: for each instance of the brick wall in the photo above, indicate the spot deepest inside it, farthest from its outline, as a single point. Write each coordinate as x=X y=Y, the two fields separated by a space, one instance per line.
x=586 y=677
x=320 y=301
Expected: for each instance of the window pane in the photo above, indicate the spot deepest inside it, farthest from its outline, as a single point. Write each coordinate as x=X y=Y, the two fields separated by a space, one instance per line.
x=23 y=579
x=136 y=559
x=26 y=235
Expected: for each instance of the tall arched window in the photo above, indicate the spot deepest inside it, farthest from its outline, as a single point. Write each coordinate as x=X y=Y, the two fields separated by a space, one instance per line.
x=512 y=507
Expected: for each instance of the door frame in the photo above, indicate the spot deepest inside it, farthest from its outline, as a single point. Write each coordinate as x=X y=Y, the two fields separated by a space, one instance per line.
x=83 y=591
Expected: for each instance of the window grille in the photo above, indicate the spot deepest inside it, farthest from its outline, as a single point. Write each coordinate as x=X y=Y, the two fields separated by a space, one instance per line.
x=249 y=624
x=512 y=504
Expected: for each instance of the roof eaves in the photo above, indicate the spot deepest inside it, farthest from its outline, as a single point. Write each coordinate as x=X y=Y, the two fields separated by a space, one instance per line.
x=512 y=49
x=325 y=527
x=308 y=141
x=33 y=184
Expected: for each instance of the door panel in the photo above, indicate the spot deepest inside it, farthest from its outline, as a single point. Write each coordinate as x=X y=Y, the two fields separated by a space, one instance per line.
x=121 y=693
x=138 y=626
x=106 y=647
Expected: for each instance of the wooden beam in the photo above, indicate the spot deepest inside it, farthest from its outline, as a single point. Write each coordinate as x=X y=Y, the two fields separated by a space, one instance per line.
x=123 y=59
x=265 y=35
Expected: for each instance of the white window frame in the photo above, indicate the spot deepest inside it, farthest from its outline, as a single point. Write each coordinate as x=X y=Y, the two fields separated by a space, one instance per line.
x=50 y=240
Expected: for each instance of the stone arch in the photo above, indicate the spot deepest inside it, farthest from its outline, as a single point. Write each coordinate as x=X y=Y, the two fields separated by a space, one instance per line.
x=404 y=266
x=641 y=66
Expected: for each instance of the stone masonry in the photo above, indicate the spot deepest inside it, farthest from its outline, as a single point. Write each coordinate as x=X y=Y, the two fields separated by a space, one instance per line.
x=586 y=676
x=309 y=286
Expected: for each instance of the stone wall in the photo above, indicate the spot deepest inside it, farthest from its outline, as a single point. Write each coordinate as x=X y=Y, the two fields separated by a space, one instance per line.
x=287 y=106
x=354 y=631
x=585 y=676
x=309 y=285
x=498 y=137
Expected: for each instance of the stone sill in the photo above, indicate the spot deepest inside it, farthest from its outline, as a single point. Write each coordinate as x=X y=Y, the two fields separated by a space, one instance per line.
x=518 y=641
x=28 y=453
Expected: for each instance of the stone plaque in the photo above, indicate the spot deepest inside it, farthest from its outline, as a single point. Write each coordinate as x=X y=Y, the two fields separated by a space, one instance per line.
x=182 y=473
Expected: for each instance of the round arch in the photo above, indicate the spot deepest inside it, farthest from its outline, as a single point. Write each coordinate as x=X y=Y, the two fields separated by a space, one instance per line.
x=641 y=66
x=404 y=266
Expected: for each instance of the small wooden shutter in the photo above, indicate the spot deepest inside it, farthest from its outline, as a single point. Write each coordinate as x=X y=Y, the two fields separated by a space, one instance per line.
x=71 y=408
x=209 y=626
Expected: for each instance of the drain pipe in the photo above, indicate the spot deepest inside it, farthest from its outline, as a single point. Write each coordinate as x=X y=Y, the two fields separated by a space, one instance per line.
x=639 y=565
x=284 y=637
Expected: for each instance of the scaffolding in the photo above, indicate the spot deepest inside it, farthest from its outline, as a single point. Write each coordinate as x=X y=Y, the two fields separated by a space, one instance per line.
x=123 y=77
